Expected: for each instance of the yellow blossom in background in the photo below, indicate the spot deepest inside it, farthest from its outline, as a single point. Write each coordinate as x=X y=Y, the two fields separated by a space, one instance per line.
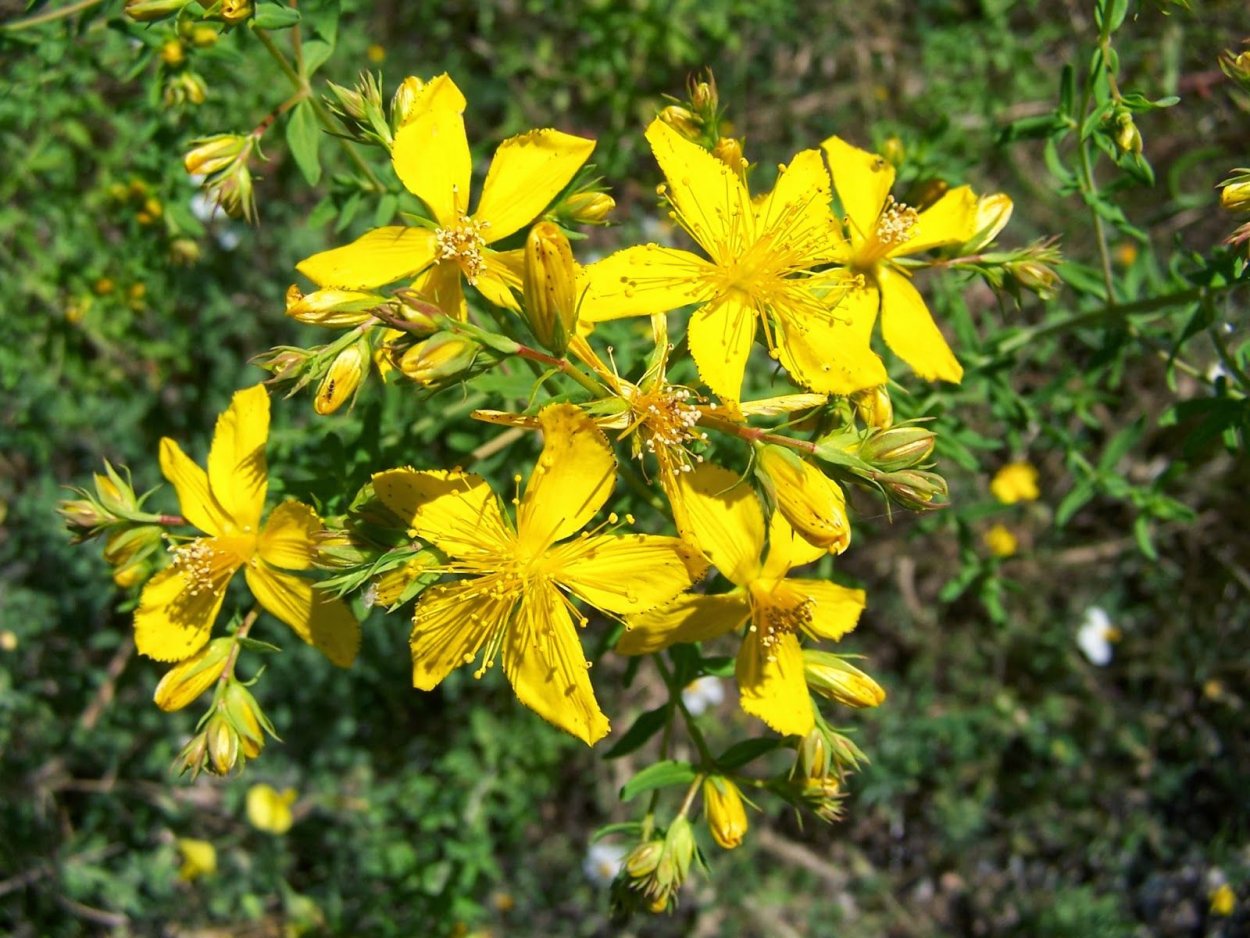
x=432 y=159
x=727 y=522
x=199 y=858
x=179 y=605
x=269 y=810
x=1015 y=482
x=760 y=270
x=375 y=54
x=1223 y=900
x=514 y=600
x=882 y=231
x=1000 y=541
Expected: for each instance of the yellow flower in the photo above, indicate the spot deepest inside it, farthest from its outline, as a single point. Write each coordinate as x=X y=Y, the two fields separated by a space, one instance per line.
x=728 y=524
x=269 y=810
x=179 y=605
x=1015 y=482
x=1001 y=542
x=199 y=858
x=762 y=256
x=726 y=816
x=431 y=157
x=513 y=601
x=882 y=231
x=1223 y=900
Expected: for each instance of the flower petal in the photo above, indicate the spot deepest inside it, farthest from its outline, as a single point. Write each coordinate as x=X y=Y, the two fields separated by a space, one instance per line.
x=526 y=173
x=826 y=350
x=500 y=279
x=195 y=501
x=952 y=219
x=287 y=540
x=177 y=611
x=450 y=624
x=237 y=471
x=689 y=618
x=318 y=618
x=862 y=181
x=375 y=259
x=786 y=549
x=798 y=216
x=626 y=573
x=725 y=518
x=573 y=478
x=711 y=202
x=720 y=337
x=441 y=285
x=431 y=157
x=641 y=280
x=771 y=685
x=547 y=666
x=835 y=609
x=909 y=330
x=455 y=510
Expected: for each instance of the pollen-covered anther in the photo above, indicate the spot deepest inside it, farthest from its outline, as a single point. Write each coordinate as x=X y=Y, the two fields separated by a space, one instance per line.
x=464 y=244
x=197 y=562
x=784 y=618
x=896 y=223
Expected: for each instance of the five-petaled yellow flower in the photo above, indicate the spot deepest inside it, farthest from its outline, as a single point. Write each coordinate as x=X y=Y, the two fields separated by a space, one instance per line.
x=512 y=602
x=881 y=231
x=1015 y=482
x=728 y=524
x=762 y=258
x=432 y=159
x=179 y=605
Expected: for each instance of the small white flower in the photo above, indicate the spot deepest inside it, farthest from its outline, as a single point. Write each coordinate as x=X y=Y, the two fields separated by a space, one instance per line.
x=1096 y=635
x=702 y=694
x=603 y=861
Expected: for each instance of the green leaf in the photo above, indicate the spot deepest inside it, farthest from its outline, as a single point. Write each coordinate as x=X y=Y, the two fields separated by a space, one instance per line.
x=316 y=53
x=659 y=775
x=274 y=16
x=386 y=209
x=748 y=750
x=303 y=136
x=646 y=726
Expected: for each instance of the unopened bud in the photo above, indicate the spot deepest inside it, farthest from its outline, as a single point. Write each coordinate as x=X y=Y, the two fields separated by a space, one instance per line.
x=351 y=102
x=133 y=572
x=223 y=744
x=550 y=287
x=1036 y=277
x=729 y=151
x=248 y=720
x=126 y=544
x=897 y=448
x=210 y=155
x=388 y=588
x=588 y=208
x=1235 y=193
x=823 y=797
x=726 y=816
x=204 y=37
x=833 y=677
x=1236 y=67
x=814 y=754
x=813 y=503
x=183 y=683
x=843 y=751
x=331 y=306
x=236 y=11
x=894 y=151
x=172 y=53
x=342 y=380
x=703 y=96
x=993 y=213
x=681 y=120
x=184 y=252
x=185 y=88
x=193 y=757
x=643 y=859
x=874 y=407
x=1127 y=136
x=439 y=358
x=915 y=488
x=147 y=11
x=404 y=100
x=423 y=318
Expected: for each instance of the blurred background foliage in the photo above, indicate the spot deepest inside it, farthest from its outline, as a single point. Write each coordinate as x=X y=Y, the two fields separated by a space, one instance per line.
x=1015 y=787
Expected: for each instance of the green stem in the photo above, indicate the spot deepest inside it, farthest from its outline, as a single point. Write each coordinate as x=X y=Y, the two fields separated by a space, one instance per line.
x=50 y=16
x=323 y=116
x=565 y=367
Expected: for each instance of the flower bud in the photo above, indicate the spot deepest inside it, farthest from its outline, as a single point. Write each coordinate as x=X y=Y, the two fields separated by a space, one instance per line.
x=844 y=753
x=1127 y=136
x=813 y=503
x=331 y=306
x=187 y=680
x=813 y=759
x=643 y=859
x=893 y=151
x=247 y=719
x=83 y=516
x=823 y=797
x=236 y=11
x=184 y=252
x=993 y=213
x=204 y=37
x=342 y=380
x=1236 y=67
x=915 y=488
x=404 y=100
x=729 y=151
x=148 y=11
x=681 y=120
x=1235 y=193
x=388 y=588
x=439 y=358
x=193 y=757
x=726 y=816
x=133 y=572
x=173 y=53
x=703 y=96
x=185 y=88
x=1000 y=541
x=210 y=155
x=833 y=677
x=550 y=287
x=223 y=744
x=588 y=208
x=873 y=406
x=1036 y=277
x=897 y=448
x=128 y=543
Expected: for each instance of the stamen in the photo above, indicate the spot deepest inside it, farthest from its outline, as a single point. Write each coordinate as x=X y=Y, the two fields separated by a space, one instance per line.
x=896 y=222
x=464 y=244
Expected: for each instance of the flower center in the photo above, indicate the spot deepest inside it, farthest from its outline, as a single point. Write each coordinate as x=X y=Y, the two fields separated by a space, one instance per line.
x=204 y=566
x=463 y=243
x=895 y=225
x=778 y=611
x=667 y=424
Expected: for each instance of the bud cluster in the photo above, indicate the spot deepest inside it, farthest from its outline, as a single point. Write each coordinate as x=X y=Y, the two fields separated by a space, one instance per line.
x=654 y=871
x=223 y=160
x=363 y=112
x=233 y=731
